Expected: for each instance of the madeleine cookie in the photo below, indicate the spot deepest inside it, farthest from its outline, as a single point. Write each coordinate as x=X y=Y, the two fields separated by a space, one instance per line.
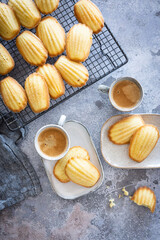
x=52 y=35
x=78 y=43
x=6 y=61
x=37 y=93
x=143 y=142
x=13 y=94
x=146 y=197
x=31 y=48
x=122 y=131
x=26 y=12
x=59 y=168
x=53 y=79
x=88 y=13
x=9 y=25
x=82 y=172
x=47 y=6
x=75 y=74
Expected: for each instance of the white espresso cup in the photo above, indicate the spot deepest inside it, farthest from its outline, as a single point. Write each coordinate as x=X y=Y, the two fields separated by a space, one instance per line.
x=107 y=89
x=55 y=126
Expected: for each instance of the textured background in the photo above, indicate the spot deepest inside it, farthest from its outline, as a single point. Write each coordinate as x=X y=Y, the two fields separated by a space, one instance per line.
x=136 y=25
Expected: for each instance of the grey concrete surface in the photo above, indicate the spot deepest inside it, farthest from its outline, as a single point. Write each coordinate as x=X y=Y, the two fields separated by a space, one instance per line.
x=136 y=25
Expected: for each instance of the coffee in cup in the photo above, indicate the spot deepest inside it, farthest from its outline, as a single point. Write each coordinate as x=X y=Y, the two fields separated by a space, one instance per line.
x=52 y=142
x=125 y=94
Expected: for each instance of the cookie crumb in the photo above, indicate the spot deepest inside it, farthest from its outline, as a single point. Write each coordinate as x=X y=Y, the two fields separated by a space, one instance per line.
x=111 y=204
x=120 y=195
x=126 y=193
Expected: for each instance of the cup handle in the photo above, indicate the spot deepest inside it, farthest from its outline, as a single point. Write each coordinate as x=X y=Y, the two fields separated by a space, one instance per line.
x=103 y=88
x=62 y=120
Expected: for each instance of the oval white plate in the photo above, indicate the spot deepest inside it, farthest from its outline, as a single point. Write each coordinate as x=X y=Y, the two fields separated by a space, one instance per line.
x=117 y=155
x=79 y=136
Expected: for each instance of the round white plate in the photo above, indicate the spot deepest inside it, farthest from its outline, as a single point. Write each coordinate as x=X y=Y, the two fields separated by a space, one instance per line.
x=117 y=155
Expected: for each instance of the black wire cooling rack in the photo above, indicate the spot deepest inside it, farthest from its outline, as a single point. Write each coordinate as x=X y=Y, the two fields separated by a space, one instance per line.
x=105 y=57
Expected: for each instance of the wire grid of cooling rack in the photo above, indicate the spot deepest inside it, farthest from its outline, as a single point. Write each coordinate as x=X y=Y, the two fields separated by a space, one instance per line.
x=105 y=57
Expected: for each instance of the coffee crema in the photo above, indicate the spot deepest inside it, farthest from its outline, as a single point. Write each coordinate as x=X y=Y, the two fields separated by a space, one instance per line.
x=126 y=94
x=52 y=142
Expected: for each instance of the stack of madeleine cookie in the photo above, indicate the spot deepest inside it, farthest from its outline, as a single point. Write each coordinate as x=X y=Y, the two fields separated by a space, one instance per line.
x=49 y=40
x=142 y=137
x=76 y=167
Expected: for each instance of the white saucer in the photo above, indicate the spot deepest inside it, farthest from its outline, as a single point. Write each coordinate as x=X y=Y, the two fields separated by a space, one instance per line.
x=117 y=155
x=79 y=136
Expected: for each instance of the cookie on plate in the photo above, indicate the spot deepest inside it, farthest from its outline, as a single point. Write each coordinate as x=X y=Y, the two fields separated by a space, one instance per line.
x=88 y=13
x=75 y=74
x=143 y=142
x=26 y=12
x=78 y=43
x=146 y=197
x=52 y=35
x=122 y=131
x=9 y=25
x=13 y=94
x=47 y=6
x=59 y=168
x=82 y=172
x=6 y=61
x=37 y=93
x=31 y=48
x=53 y=79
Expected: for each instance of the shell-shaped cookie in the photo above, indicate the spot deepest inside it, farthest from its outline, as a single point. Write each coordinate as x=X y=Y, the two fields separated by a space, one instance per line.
x=82 y=172
x=52 y=35
x=78 y=43
x=37 y=93
x=26 y=12
x=31 y=48
x=75 y=74
x=53 y=79
x=88 y=13
x=59 y=168
x=146 y=197
x=13 y=94
x=143 y=142
x=9 y=25
x=6 y=61
x=122 y=131
x=47 y=6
